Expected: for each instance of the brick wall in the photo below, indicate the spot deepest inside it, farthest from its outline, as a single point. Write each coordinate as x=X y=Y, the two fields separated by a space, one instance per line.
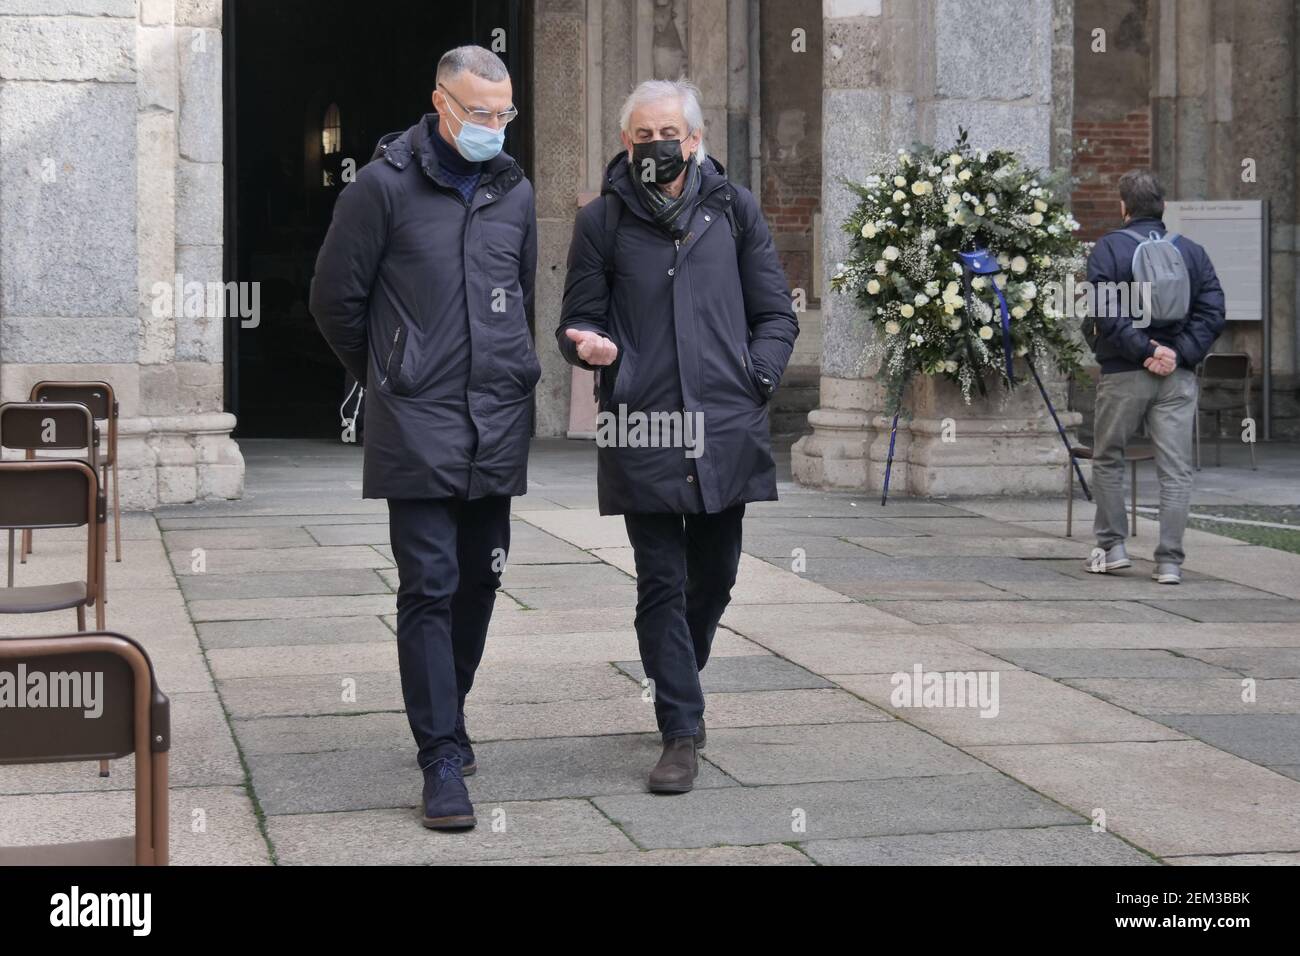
x=1114 y=146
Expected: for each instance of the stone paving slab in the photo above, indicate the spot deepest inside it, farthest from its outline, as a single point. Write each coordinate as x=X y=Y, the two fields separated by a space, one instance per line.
x=1179 y=797
x=1027 y=612
x=874 y=653
x=1239 y=611
x=230 y=836
x=871 y=568
x=1031 y=709
x=963 y=525
x=971 y=545
x=310 y=631
x=297 y=660
x=590 y=647
x=1253 y=661
x=1205 y=695
x=230 y=539
x=1137 y=586
x=260 y=560
x=1068 y=845
x=1184 y=636
x=582 y=527
x=574 y=576
x=799 y=502
x=773 y=854
x=265 y=521
x=524 y=829
x=339 y=534
x=1237 y=859
x=555 y=598
x=295 y=583
x=1067 y=662
x=1265 y=568
x=289 y=696
x=1268 y=739
x=780 y=547
x=802 y=754
x=290 y=607
x=734 y=674
x=756 y=815
x=848 y=618
x=757 y=581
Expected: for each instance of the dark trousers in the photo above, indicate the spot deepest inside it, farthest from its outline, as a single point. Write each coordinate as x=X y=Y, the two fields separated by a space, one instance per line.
x=449 y=555
x=685 y=570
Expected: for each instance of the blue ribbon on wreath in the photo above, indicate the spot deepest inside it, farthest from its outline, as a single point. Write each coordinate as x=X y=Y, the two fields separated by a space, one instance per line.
x=981 y=263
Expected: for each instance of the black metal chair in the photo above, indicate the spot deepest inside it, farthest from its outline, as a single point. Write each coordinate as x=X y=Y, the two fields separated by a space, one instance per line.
x=1223 y=373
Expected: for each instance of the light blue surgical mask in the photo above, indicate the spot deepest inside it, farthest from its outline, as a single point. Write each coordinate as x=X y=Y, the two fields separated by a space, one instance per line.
x=477 y=143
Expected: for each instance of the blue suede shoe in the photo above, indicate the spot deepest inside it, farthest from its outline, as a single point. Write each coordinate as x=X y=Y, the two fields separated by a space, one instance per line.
x=446 y=801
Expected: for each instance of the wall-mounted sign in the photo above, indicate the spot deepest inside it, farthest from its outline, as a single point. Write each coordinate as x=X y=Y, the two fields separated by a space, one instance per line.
x=1233 y=233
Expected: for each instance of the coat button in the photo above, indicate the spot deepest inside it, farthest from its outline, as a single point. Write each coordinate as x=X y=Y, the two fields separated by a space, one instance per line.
x=691 y=479
x=671 y=271
x=489 y=195
x=708 y=218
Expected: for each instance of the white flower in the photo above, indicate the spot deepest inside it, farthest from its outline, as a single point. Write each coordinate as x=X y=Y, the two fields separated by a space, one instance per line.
x=954 y=159
x=927 y=235
x=899 y=195
x=980 y=210
x=950 y=366
x=1018 y=264
x=892 y=327
x=1018 y=312
x=891 y=253
x=869 y=230
x=978 y=282
x=1029 y=290
x=1003 y=260
x=906 y=311
x=1035 y=219
x=990 y=199
x=967 y=197
x=1040 y=205
x=900 y=181
x=922 y=187
x=1045 y=261
x=934 y=170
x=932 y=287
x=956 y=267
x=921 y=299
x=965 y=175
x=986 y=332
x=954 y=323
x=881 y=268
x=904 y=158
x=873 y=286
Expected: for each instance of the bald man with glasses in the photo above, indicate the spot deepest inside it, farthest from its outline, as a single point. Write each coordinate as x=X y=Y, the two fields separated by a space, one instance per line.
x=424 y=288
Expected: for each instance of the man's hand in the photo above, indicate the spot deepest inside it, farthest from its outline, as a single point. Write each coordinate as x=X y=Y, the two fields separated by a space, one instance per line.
x=593 y=348
x=1163 y=362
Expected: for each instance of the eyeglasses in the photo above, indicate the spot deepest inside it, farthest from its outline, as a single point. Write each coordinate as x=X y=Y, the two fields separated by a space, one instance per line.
x=480 y=117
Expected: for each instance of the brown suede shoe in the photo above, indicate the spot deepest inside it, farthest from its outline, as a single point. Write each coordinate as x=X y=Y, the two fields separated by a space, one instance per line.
x=677 y=767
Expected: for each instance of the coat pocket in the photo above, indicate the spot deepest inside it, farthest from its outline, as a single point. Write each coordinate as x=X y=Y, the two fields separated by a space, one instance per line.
x=622 y=379
x=394 y=378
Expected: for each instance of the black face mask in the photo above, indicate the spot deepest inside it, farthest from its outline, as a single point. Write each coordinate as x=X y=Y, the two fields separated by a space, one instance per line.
x=662 y=158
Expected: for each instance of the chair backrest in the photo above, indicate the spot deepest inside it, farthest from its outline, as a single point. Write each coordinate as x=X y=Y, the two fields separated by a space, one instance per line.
x=1226 y=366
x=47 y=426
x=97 y=396
x=85 y=697
x=48 y=493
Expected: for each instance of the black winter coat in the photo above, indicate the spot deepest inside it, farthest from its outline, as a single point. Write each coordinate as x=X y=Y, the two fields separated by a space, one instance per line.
x=704 y=325
x=425 y=300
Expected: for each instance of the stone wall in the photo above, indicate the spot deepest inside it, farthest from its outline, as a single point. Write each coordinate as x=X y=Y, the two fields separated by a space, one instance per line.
x=110 y=182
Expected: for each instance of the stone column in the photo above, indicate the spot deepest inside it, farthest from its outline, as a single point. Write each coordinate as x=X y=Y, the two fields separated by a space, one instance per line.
x=896 y=72
x=110 y=182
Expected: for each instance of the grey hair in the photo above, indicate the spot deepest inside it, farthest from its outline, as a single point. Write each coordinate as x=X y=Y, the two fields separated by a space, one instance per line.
x=653 y=91
x=1144 y=197
x=475 y=59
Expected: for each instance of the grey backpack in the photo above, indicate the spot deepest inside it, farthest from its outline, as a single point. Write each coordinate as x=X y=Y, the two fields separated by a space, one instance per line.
x=1166 y=288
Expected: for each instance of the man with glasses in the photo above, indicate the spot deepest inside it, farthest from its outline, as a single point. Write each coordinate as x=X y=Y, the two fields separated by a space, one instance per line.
x=424 y=288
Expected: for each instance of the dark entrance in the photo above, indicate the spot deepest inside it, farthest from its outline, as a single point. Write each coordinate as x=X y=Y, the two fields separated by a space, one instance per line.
x=311 y=86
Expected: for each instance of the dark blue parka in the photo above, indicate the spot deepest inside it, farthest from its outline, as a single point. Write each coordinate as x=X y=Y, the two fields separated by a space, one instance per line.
x=704 y=325
x=425 y=300
x=1121 y=347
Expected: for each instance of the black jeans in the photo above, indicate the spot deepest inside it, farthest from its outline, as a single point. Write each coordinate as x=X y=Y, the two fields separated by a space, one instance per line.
x=685 y=570
x=449 y=554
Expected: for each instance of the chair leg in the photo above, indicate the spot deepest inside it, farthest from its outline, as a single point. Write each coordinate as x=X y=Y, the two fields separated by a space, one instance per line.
x=26 y=548
x=103 y=768
x=1218 y=439
x=99 y=614
x=117 y=511
x=1133 y=511
x=1069 y=497
x=81 y=617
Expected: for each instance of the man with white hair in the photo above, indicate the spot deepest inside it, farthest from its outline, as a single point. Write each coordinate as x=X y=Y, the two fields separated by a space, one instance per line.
x=676 y=296
x=423 y=289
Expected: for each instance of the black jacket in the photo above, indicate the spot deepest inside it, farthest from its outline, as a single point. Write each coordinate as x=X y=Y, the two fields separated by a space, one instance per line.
x=705 y=327
x=1122 y=348
x=426 y=300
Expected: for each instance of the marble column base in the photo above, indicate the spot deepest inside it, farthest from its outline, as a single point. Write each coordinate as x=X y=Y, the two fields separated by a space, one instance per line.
x=176 y=460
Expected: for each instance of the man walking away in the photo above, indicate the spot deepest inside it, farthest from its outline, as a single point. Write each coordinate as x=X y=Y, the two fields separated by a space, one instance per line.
x=1148 y=353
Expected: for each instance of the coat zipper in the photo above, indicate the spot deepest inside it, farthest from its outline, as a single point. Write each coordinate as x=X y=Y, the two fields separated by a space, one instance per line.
x=388 y=364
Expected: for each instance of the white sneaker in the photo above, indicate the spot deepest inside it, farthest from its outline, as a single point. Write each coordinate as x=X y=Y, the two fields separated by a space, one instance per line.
x=1167 y=574
x=1116 y=559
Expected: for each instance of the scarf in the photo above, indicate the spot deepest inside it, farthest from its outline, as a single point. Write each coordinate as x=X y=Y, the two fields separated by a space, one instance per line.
x=668 y=211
